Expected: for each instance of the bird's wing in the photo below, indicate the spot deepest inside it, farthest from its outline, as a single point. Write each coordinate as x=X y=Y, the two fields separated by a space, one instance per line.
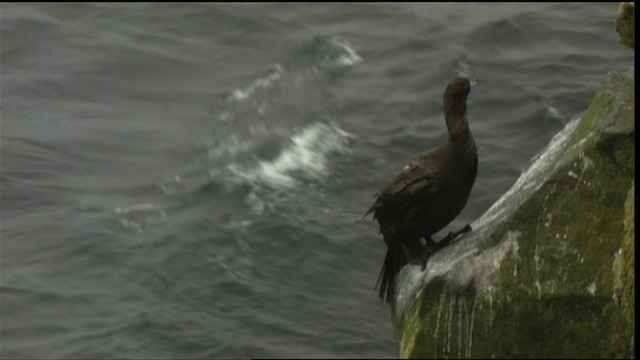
x=414 y=187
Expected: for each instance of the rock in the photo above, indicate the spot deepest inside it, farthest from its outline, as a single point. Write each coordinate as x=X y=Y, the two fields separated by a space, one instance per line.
x=549 y=269
x=625 y=24
x=624 y=263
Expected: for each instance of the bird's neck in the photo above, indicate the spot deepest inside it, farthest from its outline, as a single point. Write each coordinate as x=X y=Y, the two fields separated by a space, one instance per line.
x=455 y=114
x=457 y=124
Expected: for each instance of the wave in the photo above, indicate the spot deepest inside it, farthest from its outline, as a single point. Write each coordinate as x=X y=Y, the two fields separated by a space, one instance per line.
x=337 y=50
x=138 y=217
x=553 y=112
x=327 y=52
x=304 y=158
x=274 y=74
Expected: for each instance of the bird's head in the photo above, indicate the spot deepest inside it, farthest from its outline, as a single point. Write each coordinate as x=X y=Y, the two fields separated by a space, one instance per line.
x=455 y=106
x=457 y=91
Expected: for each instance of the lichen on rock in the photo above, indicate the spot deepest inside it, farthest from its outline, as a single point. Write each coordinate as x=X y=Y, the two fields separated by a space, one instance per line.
x=625 y=24
x=624 y=263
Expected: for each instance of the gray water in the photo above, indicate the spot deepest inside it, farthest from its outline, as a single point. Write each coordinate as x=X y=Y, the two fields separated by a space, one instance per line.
x=189 y=180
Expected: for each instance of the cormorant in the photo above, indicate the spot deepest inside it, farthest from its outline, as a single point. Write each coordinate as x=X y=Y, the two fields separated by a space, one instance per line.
x=427 y=194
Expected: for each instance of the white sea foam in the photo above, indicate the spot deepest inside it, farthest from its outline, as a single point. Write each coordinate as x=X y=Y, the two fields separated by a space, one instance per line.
x=305 y=156
x=335 y=51
x=232 y=145
x=134 y=208
x=275 y=74
x=137 y=217
x=347 y=56
x=553 y=112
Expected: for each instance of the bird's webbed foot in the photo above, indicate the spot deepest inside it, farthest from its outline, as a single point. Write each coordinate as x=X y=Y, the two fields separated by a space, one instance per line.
x=452 y=235
x=435 y=246
x=464 y=230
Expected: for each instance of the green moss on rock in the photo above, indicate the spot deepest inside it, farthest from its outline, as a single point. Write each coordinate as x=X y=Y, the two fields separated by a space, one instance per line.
x=624 y=264
x=625 y=24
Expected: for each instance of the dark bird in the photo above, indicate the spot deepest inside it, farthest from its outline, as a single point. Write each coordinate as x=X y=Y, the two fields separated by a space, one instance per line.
x=427 y=194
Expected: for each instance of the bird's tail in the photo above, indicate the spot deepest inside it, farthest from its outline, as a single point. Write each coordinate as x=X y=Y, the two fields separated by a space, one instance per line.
x=393 y=262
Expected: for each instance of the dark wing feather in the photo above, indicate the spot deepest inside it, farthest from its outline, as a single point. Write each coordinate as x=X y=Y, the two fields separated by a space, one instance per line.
x=403 y=197
x=420 y=176
x=415 y=187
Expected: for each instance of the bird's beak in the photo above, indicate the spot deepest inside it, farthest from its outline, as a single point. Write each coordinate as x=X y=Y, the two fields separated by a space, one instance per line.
x=473 y=82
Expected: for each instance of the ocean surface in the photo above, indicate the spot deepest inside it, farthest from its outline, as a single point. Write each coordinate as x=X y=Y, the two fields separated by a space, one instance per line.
x=189 y=180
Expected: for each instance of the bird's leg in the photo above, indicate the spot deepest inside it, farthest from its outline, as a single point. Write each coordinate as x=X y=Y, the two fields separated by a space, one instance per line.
x=425 y=254
x=415 y=251
x=435 y=246
x=464 y=230
x=431 y=247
